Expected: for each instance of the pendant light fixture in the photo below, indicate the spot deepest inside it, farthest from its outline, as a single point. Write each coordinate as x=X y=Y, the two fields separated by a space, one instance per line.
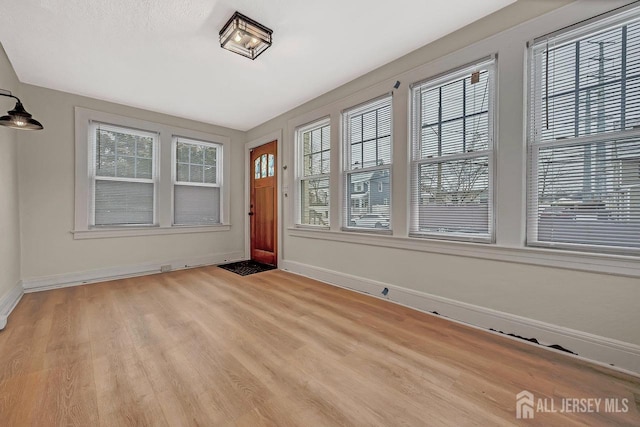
x=245 y=36
x=18 y=118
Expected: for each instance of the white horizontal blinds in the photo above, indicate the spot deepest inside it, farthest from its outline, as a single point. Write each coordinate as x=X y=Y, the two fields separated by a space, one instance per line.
x=584 y=141
x=452 y=154
x=123 y=174
x=196 y=205
x=196 y=196
x=313 y=173
x=367 y=140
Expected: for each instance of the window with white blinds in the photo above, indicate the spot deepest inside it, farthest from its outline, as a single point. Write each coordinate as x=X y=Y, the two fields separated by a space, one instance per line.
x=584 y=137
x=196 y=190
x=452 y=155
x=367 y=143
x=123 y=175
x=313 y=148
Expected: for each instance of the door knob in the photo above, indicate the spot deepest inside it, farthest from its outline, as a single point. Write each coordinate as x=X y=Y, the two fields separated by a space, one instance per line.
x=250 y=213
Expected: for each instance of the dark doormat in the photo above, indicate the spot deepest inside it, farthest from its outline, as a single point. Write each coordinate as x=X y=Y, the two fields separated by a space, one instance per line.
x=245 y=268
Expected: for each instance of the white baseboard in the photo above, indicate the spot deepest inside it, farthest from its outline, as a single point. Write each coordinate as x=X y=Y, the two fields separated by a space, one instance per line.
x=604 y=351
x=37 y=284
x=8 y=302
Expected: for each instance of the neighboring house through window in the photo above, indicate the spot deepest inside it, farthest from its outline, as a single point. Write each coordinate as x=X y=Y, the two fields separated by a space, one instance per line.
x=367 y=142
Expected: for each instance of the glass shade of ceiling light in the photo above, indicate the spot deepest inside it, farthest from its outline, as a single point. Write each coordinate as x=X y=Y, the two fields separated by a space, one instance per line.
x=18 y=118
x=245 y=36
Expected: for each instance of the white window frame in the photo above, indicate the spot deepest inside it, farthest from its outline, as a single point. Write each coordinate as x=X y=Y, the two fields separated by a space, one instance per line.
x=510 y=156
x=93 y=126
x=163 y=212
x=415 y=161
x=299 y=171
x=346 y=171
x=534 y=145
x=174 y=173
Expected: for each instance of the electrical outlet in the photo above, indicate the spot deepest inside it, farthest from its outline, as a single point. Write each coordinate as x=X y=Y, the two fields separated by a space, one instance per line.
x=165 y=268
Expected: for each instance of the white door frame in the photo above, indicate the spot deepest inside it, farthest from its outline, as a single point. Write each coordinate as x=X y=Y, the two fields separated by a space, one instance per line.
x=273 y=136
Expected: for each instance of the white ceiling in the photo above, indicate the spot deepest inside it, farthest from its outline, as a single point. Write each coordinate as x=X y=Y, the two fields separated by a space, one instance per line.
x=164 y=55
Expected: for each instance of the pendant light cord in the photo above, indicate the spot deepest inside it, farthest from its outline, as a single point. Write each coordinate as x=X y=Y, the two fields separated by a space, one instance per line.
x=8 y=94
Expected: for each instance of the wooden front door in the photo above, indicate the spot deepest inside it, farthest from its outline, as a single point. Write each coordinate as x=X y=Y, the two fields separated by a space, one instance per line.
x=264 y=204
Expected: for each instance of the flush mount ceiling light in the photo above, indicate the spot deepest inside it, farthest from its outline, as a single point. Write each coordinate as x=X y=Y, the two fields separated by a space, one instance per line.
x=18 y=118
x=245 y=36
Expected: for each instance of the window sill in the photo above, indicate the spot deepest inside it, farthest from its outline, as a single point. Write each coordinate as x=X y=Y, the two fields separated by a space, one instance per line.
x=311 y=227
x=366 y=230
x=622 y=265
x=452 y=237
x=146 y=231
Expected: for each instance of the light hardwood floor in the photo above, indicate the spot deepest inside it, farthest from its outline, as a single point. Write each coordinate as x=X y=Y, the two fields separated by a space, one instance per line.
x=207 y=347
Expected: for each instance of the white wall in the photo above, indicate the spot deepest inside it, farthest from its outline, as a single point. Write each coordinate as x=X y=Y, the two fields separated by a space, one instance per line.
x=601 y=304
x=9 y=218
x=46 y=168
